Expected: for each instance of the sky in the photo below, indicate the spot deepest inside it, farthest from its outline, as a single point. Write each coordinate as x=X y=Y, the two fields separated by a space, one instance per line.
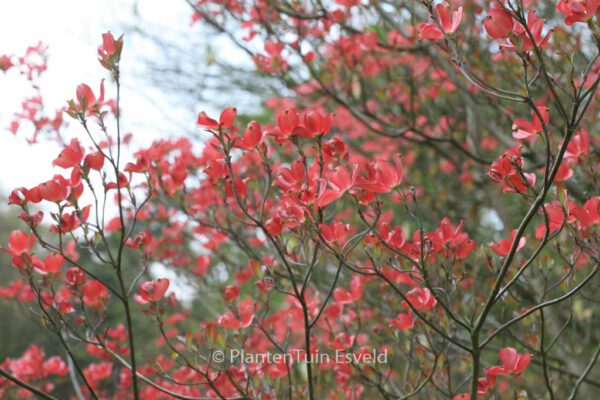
x=72 y=29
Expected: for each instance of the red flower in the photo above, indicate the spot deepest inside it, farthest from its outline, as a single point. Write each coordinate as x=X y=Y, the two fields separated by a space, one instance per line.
x=94 y=373
x=498 y=23
x=404 y=321
x=56 y=190
x=588 y=214
x=152 y=291
x=19 y=243
x=5 y=63
x=51 y=265
x=335 y=233
x=354 y=293
x=525 y=130
x=579 y=146
x=230 y=293
x=265 y=284
x=94 y=161
x=70 y=156
x=314 y=125
x=421 y=299
x=74 y=276
x=503 y=246
x=577 y=10
x=141 y=165
x=94 y=294
x=243 y=319
x=504 y=170
x=383 y=176
x=226 y=119
x=513 y=362
x=55 y=366
x=142 y=239
x=521 y=38
x=202 y=265
x=451 y=240
x=110 y=50
x=340 y=181
x=556 y=218
x=251 y=136
x=342 y=341
x=87 y=101
x=431 y=31
x=287 y=121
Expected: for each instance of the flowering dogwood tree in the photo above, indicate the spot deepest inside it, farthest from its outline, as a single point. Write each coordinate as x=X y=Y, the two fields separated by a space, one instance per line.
x=429 y=193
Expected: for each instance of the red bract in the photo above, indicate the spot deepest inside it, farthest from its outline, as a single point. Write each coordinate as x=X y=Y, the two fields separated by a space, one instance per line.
x=55 y=190
x=287 y=121
x=70 y=156
x=579 y=146
x=343 y=341
x=202 y=265
x=508 y=170
x=5 y=63
x=87 y=103
x=404 y=321
x=152 y=291
x=141 y=240
x=19 y=243
x=498 y=23
x=503 y=246
x=421 y=299
x=556 y=218
x=336 y=233
x=251 y=136
x=316 y=124
x=577 y=10
x=110 y=51
x=451 y=240
x=55 y=366
x=226 y=119
x=513 y=362
x=526 y=130
x=431 y=31
x=74 y=276
x=535 y=26
x=339 y=181
x=382 y=176
x=95 y=294
x=230 y=293
x=94 y=161
x=241 y=319
x=587 y=215
x=352 y=295
x=97 y=372
x=52 y=264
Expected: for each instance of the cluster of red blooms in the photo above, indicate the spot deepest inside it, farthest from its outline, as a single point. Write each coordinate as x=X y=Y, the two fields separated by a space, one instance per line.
x=33 y=366
x=32 y=65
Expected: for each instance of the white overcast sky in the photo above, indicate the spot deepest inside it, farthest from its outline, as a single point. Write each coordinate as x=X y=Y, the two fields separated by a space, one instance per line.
x=72 y=29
